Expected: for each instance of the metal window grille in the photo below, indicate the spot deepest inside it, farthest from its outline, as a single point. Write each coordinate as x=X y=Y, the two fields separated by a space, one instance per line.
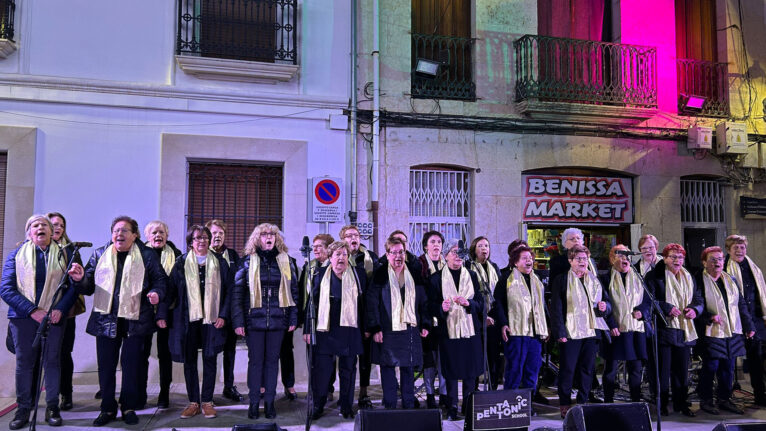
x=702 y=201
x=7 y=11
x=241 y=195
x=455 y=77
x=439 y=200
x=251 y=30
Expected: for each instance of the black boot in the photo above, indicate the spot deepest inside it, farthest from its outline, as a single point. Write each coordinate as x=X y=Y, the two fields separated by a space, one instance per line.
x=53 y=416
x=268 y=410
x=163 y=401
x=431 y=401
x=66 y=402
x=20 y=419
x=253 y=412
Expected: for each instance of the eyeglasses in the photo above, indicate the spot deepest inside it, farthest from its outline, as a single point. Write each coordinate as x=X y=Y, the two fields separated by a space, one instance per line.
x=267 y=234
x=715 y=259
x=581 y=259
x=676 y=257
x=122 y=230
x=396 y=253
x=201 y=239
x=351 y=235
x=647 y=248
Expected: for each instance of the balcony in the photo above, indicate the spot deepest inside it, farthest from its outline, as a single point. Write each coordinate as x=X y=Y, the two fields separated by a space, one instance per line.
x=558 y=78
x=703 y=79
x=455 y=77
x=7 y=12
x=243 y=40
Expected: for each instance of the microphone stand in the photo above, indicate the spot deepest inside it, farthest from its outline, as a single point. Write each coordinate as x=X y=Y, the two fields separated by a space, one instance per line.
x=310 y=321
x=657 y=312
x=41 y=337
x=483 y=289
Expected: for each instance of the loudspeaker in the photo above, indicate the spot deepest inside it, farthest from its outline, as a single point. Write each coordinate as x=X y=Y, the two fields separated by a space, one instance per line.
x=272 y=426
x=742 y=426
x=608 y=417
x=399 y=420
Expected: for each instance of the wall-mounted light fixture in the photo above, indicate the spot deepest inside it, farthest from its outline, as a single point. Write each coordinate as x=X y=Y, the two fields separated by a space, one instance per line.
x=427 y=68
x=691 y=103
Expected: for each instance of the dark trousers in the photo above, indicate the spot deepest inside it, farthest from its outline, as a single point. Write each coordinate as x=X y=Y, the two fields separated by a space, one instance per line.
x=577 y=357
x=651 y=368
x=390 y=386
x=263 y=364
x=634 y=379
x=131 y=361
x=495 y=348
x=324 y=369
x=523 y=358
x=287 y=361
x=229 y=352
x=755 y=368
x=163 y=359
x=365 y=363
x=27 y=361
x=469 y=386
x=67 y=365
x=674 y=374
x=194 y=339
x=721 y=368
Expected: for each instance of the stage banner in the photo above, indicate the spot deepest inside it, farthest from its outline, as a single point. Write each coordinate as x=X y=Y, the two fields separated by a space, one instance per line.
x=498 y=410
x=577 y=199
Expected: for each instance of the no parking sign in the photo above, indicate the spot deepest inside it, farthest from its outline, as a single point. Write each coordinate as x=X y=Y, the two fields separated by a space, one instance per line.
x=326 y=200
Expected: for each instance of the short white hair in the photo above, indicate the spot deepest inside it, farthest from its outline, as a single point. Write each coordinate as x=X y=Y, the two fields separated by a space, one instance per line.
x=569 y=232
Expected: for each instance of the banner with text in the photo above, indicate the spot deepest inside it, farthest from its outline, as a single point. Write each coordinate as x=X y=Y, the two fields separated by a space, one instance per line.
x=577 y=199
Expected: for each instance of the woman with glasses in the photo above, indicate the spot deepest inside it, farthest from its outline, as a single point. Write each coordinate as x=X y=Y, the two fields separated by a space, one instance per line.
x=200 y=283
x=263 y=309
x=681 y=301
x=578 y=307
x=648 y=246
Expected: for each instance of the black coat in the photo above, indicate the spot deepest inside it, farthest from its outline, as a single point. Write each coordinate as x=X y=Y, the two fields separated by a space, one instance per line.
x=270 y=316
x=558 y=309
x=178 y=324
x=655 y=281
x=461 y=359
x=753 y=302
x=164 y=307
x=628 y=345
x=155 y=280
x=412 y=262
x=339 y=340
x=399 y=348
x=721 y=348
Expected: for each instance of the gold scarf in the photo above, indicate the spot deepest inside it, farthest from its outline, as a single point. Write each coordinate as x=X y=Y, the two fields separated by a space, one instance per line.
x=625 y=298
x=210 y=309
x=254 y=276
x=402 y=315
x=734 y=270
x=348 y=300
x=431 y=268
x=489 y=276
x=459 y=323
x=131 y=284
x=526 y=307
x=167 y=258
x=26 y=261
x=311 y=270
x=224 y=254
x=679 y=293
x=581 y=318
x=645 y=267
x=714 y=303
x=368 y=264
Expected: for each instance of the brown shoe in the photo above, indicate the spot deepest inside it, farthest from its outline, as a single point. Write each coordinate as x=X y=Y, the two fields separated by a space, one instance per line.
x=190 y=411
x=208 y=410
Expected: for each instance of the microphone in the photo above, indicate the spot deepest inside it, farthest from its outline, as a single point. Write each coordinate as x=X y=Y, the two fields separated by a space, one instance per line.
x=81 y=244
x=627 y=253
x=462 y=252
x=306 y=247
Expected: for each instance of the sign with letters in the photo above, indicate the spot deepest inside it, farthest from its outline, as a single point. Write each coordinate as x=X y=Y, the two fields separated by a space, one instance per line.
x=499 y=410
x=752 y=208
x=577 y=199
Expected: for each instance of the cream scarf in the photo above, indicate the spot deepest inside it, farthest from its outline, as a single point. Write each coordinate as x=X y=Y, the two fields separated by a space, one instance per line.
x=714 y=303
x=254 y=276
x=679 y=293
x=459 y=323
x=402 y=314
x=211 y=307
x=224 y=254
x=131 y=284
x=734 y=270
x=581 y=320
x=645 y=267
x=348 y=300
x=626 y=297
x=26 y=260
x=526 y=307
x=167 y=258
x=431 y=268
x=311 y=271
x=489 y=276
x=368 y=264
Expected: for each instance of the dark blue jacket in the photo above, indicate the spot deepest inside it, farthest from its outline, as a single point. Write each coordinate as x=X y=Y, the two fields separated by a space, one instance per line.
x=270 y=317
x=722 y=348
x=155 y=280
x=655 y=281
x=178 y=324
x=19 y=306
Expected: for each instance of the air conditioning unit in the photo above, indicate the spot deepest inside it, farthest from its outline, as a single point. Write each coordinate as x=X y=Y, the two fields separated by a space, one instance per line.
x=700 y=138
x=731 y=138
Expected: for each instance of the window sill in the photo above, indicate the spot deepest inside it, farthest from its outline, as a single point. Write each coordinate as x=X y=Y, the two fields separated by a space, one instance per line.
x=582 y=112
x=236 y=70
x=7 y=48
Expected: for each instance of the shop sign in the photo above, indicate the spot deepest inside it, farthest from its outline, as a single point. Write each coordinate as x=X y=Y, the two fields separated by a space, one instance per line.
x=577 y=199
x=752 y=208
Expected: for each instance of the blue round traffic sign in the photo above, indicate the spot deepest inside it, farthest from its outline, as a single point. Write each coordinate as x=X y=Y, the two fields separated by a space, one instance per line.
x=327 y=192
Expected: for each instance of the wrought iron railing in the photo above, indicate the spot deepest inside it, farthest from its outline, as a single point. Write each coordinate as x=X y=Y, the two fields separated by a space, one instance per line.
x=584 y=71
x=7 y=11
x=454 y=79
x=253 y=30
x=704 y=79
